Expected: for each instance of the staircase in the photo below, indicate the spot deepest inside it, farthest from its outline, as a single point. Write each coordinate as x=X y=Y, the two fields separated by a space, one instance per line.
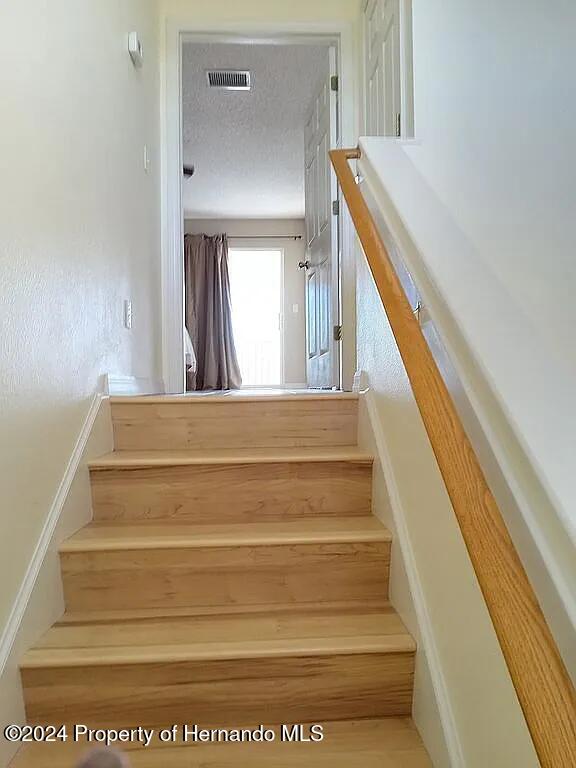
x=233 y=575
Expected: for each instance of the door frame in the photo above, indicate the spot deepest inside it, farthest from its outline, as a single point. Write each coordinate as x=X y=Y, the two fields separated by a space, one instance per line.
x=186 y=29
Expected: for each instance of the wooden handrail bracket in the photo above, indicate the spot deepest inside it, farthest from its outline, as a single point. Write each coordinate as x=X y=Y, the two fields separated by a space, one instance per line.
x=543 y=686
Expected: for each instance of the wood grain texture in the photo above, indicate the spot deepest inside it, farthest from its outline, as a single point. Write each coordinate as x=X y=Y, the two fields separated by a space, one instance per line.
x=148 y=567
x=207 y=423
x=267 y=630
x=216 y=456
x=544 y=689
x=94 y=618
x=387 y=743
x=264 y=632
x=241 y=575
x=221 y=691
x=123 y=537
x=206 y=493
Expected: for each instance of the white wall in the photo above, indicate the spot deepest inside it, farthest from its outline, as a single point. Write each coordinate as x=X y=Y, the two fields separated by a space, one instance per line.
x=294 y=326
x=464 y=704
x=495 y=121
x=79 y=222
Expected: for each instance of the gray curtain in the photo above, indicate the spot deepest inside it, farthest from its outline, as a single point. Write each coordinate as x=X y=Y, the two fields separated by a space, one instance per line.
x=208 y=313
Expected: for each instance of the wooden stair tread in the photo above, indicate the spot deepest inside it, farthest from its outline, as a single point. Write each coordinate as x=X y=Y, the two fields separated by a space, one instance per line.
x=191 y=636
x=131 y=459
x=391 y=742
x=109 y=536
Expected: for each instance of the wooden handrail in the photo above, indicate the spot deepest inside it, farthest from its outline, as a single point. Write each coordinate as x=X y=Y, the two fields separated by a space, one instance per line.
x=544 y=689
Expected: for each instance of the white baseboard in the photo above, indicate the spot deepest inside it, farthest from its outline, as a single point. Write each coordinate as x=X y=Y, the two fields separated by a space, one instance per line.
x=426 y=632
x=132 y=385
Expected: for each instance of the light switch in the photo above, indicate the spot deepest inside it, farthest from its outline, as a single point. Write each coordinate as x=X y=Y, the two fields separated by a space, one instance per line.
x=295 y=309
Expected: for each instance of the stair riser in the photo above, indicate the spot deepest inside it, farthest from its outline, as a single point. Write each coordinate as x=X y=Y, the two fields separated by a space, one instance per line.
x=241 y=575
x=223 y=692
x=233 y=493
x=235 y=424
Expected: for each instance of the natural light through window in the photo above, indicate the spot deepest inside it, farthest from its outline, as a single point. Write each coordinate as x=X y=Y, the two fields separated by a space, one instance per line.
x=256 y=290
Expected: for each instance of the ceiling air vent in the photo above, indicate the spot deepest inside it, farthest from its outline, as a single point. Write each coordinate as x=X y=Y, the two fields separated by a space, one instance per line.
x=229 y=79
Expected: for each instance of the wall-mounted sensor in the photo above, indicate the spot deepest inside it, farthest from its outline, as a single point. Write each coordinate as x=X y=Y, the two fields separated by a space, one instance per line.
x=135 y=49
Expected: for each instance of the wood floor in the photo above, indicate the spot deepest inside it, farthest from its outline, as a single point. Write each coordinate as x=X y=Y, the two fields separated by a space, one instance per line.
x=233 y=575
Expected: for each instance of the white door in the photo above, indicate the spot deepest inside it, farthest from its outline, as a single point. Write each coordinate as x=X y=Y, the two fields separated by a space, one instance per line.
x=322 y=267
x=382 y=36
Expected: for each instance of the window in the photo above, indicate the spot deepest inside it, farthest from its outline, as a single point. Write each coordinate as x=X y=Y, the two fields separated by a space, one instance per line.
x=256 y=293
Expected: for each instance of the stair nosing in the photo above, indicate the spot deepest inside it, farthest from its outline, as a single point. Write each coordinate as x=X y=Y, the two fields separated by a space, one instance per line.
x=345 y=537
x=115 y=460
x=352 y=530
x=179 y=399
x=222 y=651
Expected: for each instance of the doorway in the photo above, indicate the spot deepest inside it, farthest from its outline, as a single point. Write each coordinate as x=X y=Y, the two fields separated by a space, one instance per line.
x=257 y=300
x=328 y=41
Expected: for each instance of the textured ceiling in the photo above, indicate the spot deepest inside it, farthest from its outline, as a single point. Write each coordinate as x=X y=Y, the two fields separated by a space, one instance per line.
x=248 y=146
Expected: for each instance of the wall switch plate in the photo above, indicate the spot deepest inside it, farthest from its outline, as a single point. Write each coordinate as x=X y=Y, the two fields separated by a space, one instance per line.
x=295 y=308
x=146 y=158
x=127 y=314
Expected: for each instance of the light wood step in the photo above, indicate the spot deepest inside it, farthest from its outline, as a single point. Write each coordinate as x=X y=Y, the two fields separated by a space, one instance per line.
x=231 y=486
x=124 y=459
x=385 y=743
x=109 y=566
x=116 y=637
x=272 y=665
x=167 y=423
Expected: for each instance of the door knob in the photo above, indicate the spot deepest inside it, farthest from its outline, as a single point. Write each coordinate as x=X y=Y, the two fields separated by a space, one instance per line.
x=304 y=264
